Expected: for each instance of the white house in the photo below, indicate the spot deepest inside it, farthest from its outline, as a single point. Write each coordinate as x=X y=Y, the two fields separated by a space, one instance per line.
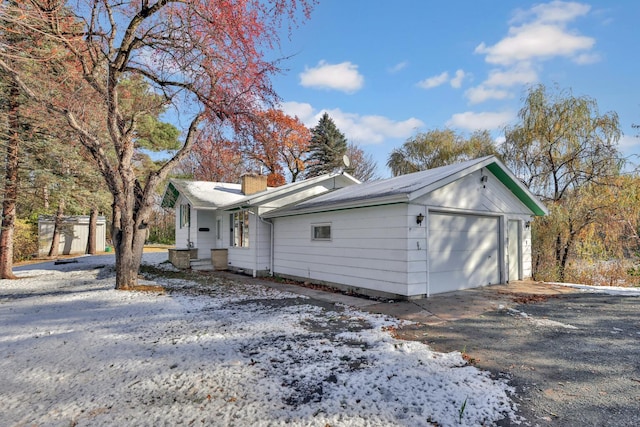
x=449 y=228
x=213 y=215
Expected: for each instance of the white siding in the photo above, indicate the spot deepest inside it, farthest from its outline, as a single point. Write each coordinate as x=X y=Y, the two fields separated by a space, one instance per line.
x=256 y=258
x=470 y=194
x=368 y=248
x=263 y=239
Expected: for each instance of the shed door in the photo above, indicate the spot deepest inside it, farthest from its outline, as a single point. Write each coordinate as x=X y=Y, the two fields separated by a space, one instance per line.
x=463 y=251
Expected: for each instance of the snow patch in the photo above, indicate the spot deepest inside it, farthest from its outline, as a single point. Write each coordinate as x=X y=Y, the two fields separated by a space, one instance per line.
x=74 y=351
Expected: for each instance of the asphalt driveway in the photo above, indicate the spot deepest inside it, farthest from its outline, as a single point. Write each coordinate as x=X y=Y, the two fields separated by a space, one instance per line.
x=574 y=358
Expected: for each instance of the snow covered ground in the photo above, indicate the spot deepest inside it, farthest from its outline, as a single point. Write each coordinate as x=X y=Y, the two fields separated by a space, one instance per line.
x=74 y=351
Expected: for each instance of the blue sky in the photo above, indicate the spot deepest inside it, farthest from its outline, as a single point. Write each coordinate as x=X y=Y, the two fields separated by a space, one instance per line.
x=387 y=70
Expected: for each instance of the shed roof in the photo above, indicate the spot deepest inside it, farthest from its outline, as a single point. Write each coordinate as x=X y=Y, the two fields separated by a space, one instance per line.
x=406 y=188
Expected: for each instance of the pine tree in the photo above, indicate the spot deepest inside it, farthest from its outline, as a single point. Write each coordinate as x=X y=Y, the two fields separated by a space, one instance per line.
x=327 y=148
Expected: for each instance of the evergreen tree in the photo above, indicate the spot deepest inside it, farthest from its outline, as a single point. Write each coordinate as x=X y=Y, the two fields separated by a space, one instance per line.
x=327 y=148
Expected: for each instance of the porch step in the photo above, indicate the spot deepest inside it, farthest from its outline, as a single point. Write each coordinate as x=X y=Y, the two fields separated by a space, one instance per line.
x=203 y=264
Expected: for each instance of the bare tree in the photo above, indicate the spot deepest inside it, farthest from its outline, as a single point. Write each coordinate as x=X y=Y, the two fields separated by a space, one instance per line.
x=203 y=58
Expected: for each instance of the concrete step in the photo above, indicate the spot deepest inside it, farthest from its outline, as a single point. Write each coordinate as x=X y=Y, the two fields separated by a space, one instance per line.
x=201 y=264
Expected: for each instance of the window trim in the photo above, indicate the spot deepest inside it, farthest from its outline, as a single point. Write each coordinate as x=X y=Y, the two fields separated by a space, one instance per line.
x=318 y=226
x=239 y=229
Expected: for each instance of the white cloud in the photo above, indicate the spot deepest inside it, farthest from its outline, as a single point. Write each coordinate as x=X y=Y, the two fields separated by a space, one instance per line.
x=511 y=77
x=587 y=58
x=483 y=93
x=535 y=41
x=629 y=143
x=371 y=129
x=456 y=82
x=555 y=11
x=343 y=77
x=398 y=67
x=302 y=110
x=434 y=81
x=535 y=35
x=362 y=129
x=480 y=121
x=442 y=78
x=542 y=34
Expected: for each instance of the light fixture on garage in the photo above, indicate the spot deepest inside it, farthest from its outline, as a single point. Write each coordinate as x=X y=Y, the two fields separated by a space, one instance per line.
x=419 y=218
x=527 y=224
x=483 y=180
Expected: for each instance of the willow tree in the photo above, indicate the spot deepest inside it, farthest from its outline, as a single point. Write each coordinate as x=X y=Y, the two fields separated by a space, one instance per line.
x=437 y=148
x=561 y=147
x=206 y=59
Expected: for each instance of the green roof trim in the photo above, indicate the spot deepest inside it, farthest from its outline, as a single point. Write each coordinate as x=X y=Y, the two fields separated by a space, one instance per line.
x=170 y=196
x=516 y=189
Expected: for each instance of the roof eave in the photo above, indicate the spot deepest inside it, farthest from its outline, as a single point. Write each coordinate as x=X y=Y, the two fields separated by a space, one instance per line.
x=262 y=198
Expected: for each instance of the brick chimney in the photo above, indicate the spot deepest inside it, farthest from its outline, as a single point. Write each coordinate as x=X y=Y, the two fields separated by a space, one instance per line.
x=253 y=183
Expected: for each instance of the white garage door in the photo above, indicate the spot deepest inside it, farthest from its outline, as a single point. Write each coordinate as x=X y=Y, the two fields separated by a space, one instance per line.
x=463 y=251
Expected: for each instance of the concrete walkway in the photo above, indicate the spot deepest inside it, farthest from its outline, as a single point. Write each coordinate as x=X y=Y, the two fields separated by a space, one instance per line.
x=435 y=309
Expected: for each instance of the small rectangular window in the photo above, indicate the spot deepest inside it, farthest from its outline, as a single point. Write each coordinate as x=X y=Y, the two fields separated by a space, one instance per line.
x=219 y=228
x=321 y=231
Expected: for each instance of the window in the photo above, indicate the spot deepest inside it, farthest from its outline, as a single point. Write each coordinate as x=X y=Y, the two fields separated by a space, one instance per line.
x=320 y=231
x=185 y=214
x=239 y=229
x=219 y=228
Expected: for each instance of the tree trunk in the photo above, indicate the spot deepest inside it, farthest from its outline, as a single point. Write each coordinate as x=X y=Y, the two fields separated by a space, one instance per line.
x=129 y=231
x=57 y=228
x=91 y=238
x=10 y=188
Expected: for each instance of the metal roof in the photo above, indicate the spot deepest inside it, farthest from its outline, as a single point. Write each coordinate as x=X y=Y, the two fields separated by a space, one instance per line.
x=405 y=188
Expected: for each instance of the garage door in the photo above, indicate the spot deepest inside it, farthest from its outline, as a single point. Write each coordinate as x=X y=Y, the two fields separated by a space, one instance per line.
x=463 y=251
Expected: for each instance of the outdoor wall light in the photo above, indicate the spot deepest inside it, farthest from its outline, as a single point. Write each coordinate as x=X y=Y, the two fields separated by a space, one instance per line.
x=419 y=218
x=527 y=224
x=484 y=178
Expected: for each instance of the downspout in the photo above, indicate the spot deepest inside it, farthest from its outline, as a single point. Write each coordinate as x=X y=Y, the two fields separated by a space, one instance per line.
x=255 y=257
x=427 y=232
x=189 y=241
x=270 y=224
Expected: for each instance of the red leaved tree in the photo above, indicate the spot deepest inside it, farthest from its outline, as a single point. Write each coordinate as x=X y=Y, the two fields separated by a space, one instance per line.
x=205 y=58
x=279 y=142
x=214 y=158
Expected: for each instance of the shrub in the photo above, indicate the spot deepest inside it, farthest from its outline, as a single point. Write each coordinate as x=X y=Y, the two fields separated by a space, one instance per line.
x=25 y=240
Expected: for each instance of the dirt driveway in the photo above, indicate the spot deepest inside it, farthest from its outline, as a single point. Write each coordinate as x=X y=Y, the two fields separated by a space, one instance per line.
x=574 y=358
